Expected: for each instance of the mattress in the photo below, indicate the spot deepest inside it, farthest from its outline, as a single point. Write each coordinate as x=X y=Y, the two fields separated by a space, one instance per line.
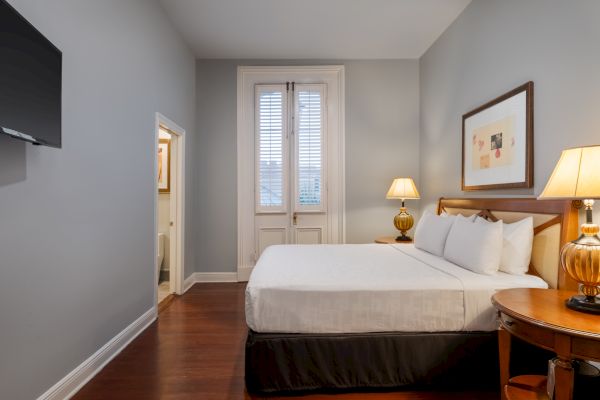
x=370 y=288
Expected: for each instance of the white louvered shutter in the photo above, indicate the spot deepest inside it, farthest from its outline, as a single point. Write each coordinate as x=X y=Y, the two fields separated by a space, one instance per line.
x=272 y=148
x=309 y=131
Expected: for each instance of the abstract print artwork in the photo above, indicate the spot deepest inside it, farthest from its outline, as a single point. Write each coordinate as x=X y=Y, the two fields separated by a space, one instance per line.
x=498 y=142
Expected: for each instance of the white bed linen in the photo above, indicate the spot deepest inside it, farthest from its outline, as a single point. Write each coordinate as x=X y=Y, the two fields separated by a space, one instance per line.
x=370 y=288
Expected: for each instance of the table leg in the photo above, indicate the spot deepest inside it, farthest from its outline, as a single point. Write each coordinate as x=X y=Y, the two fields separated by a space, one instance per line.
x=564 y=376
x=563 y=370
x=504 y=342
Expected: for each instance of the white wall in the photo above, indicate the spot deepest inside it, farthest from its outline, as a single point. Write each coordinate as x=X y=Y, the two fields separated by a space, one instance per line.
x=382 y=128
x=76 y=224
x=493 y=47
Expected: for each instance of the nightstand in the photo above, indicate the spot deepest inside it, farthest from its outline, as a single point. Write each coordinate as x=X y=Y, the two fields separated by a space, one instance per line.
x=540 y=317
x=390 y=240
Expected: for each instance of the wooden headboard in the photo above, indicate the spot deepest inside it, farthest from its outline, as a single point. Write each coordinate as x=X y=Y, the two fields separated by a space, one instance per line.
x=555 y=223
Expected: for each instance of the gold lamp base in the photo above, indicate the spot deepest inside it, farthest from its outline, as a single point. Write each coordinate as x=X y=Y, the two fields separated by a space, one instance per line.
x=403 y=222
x=581 y=260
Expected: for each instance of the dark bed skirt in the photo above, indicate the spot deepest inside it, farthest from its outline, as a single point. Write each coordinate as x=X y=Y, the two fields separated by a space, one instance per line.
x=305 y=362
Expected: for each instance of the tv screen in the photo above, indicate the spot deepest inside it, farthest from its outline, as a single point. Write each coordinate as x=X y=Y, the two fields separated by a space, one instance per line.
x=30 y=81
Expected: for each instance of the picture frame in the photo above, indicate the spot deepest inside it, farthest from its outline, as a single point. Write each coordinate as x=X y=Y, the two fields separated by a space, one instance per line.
x=164 y=166
x=497 y=142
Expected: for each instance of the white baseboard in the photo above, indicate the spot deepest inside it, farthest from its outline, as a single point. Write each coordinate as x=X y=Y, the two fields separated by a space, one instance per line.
x=204 y=277
x=189 y=282
x=70 y=384
x=243 y=273
x=216 y=277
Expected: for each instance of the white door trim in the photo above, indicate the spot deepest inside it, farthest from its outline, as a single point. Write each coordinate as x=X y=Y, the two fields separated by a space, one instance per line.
x=247 y=77
x=177 y=262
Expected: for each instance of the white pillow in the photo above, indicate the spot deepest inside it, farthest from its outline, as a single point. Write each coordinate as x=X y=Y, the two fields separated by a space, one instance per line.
x=477 y=247
x=471 y=217
x=516 y=246
x=431 y=233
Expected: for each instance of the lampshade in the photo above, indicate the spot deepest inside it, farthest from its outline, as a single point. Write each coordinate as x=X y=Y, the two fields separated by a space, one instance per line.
x=403 y=188
x=576 y=176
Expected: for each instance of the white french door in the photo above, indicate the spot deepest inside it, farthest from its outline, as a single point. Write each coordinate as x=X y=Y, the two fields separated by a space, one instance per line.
x=290 y=172
x=290 y=140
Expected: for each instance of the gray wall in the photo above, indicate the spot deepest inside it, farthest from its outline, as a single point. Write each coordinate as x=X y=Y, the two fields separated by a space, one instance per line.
x=382 y=141
x=76 y=224
x=382 y=128
x=493 y=47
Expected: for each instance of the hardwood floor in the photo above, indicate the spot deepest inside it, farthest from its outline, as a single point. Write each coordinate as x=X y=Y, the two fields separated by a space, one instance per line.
x=196 y=351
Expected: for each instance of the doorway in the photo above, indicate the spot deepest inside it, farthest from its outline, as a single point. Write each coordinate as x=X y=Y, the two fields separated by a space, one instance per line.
x=169 y=209
x=290 y=158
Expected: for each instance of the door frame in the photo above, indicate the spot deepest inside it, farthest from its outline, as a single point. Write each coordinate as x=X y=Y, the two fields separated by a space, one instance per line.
x=177 y=207
x=247 y=78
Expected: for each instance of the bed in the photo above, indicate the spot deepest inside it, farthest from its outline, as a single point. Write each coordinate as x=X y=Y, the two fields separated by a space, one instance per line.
x=385 y=316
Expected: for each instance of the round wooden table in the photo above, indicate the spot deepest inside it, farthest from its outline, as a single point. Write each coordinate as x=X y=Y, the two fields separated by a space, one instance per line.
x=540 y=317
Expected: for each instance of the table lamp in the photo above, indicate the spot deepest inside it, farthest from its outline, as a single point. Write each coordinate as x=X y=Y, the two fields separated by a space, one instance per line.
x=577 y=176
x=403 y=188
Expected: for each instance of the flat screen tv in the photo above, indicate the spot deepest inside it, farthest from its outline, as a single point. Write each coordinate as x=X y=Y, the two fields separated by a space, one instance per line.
x=30 y=81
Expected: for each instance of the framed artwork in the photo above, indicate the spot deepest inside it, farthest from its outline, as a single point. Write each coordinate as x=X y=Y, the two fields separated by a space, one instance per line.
x=497 y=142
x=164 y=166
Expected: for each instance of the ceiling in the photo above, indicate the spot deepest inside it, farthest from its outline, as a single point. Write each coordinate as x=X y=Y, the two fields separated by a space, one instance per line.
x=312 y=29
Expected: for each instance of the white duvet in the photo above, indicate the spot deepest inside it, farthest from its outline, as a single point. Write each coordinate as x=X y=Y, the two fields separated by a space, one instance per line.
x=370 y=288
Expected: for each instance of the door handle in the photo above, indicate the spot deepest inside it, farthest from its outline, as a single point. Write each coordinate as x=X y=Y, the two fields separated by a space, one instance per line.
x=295 y=219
